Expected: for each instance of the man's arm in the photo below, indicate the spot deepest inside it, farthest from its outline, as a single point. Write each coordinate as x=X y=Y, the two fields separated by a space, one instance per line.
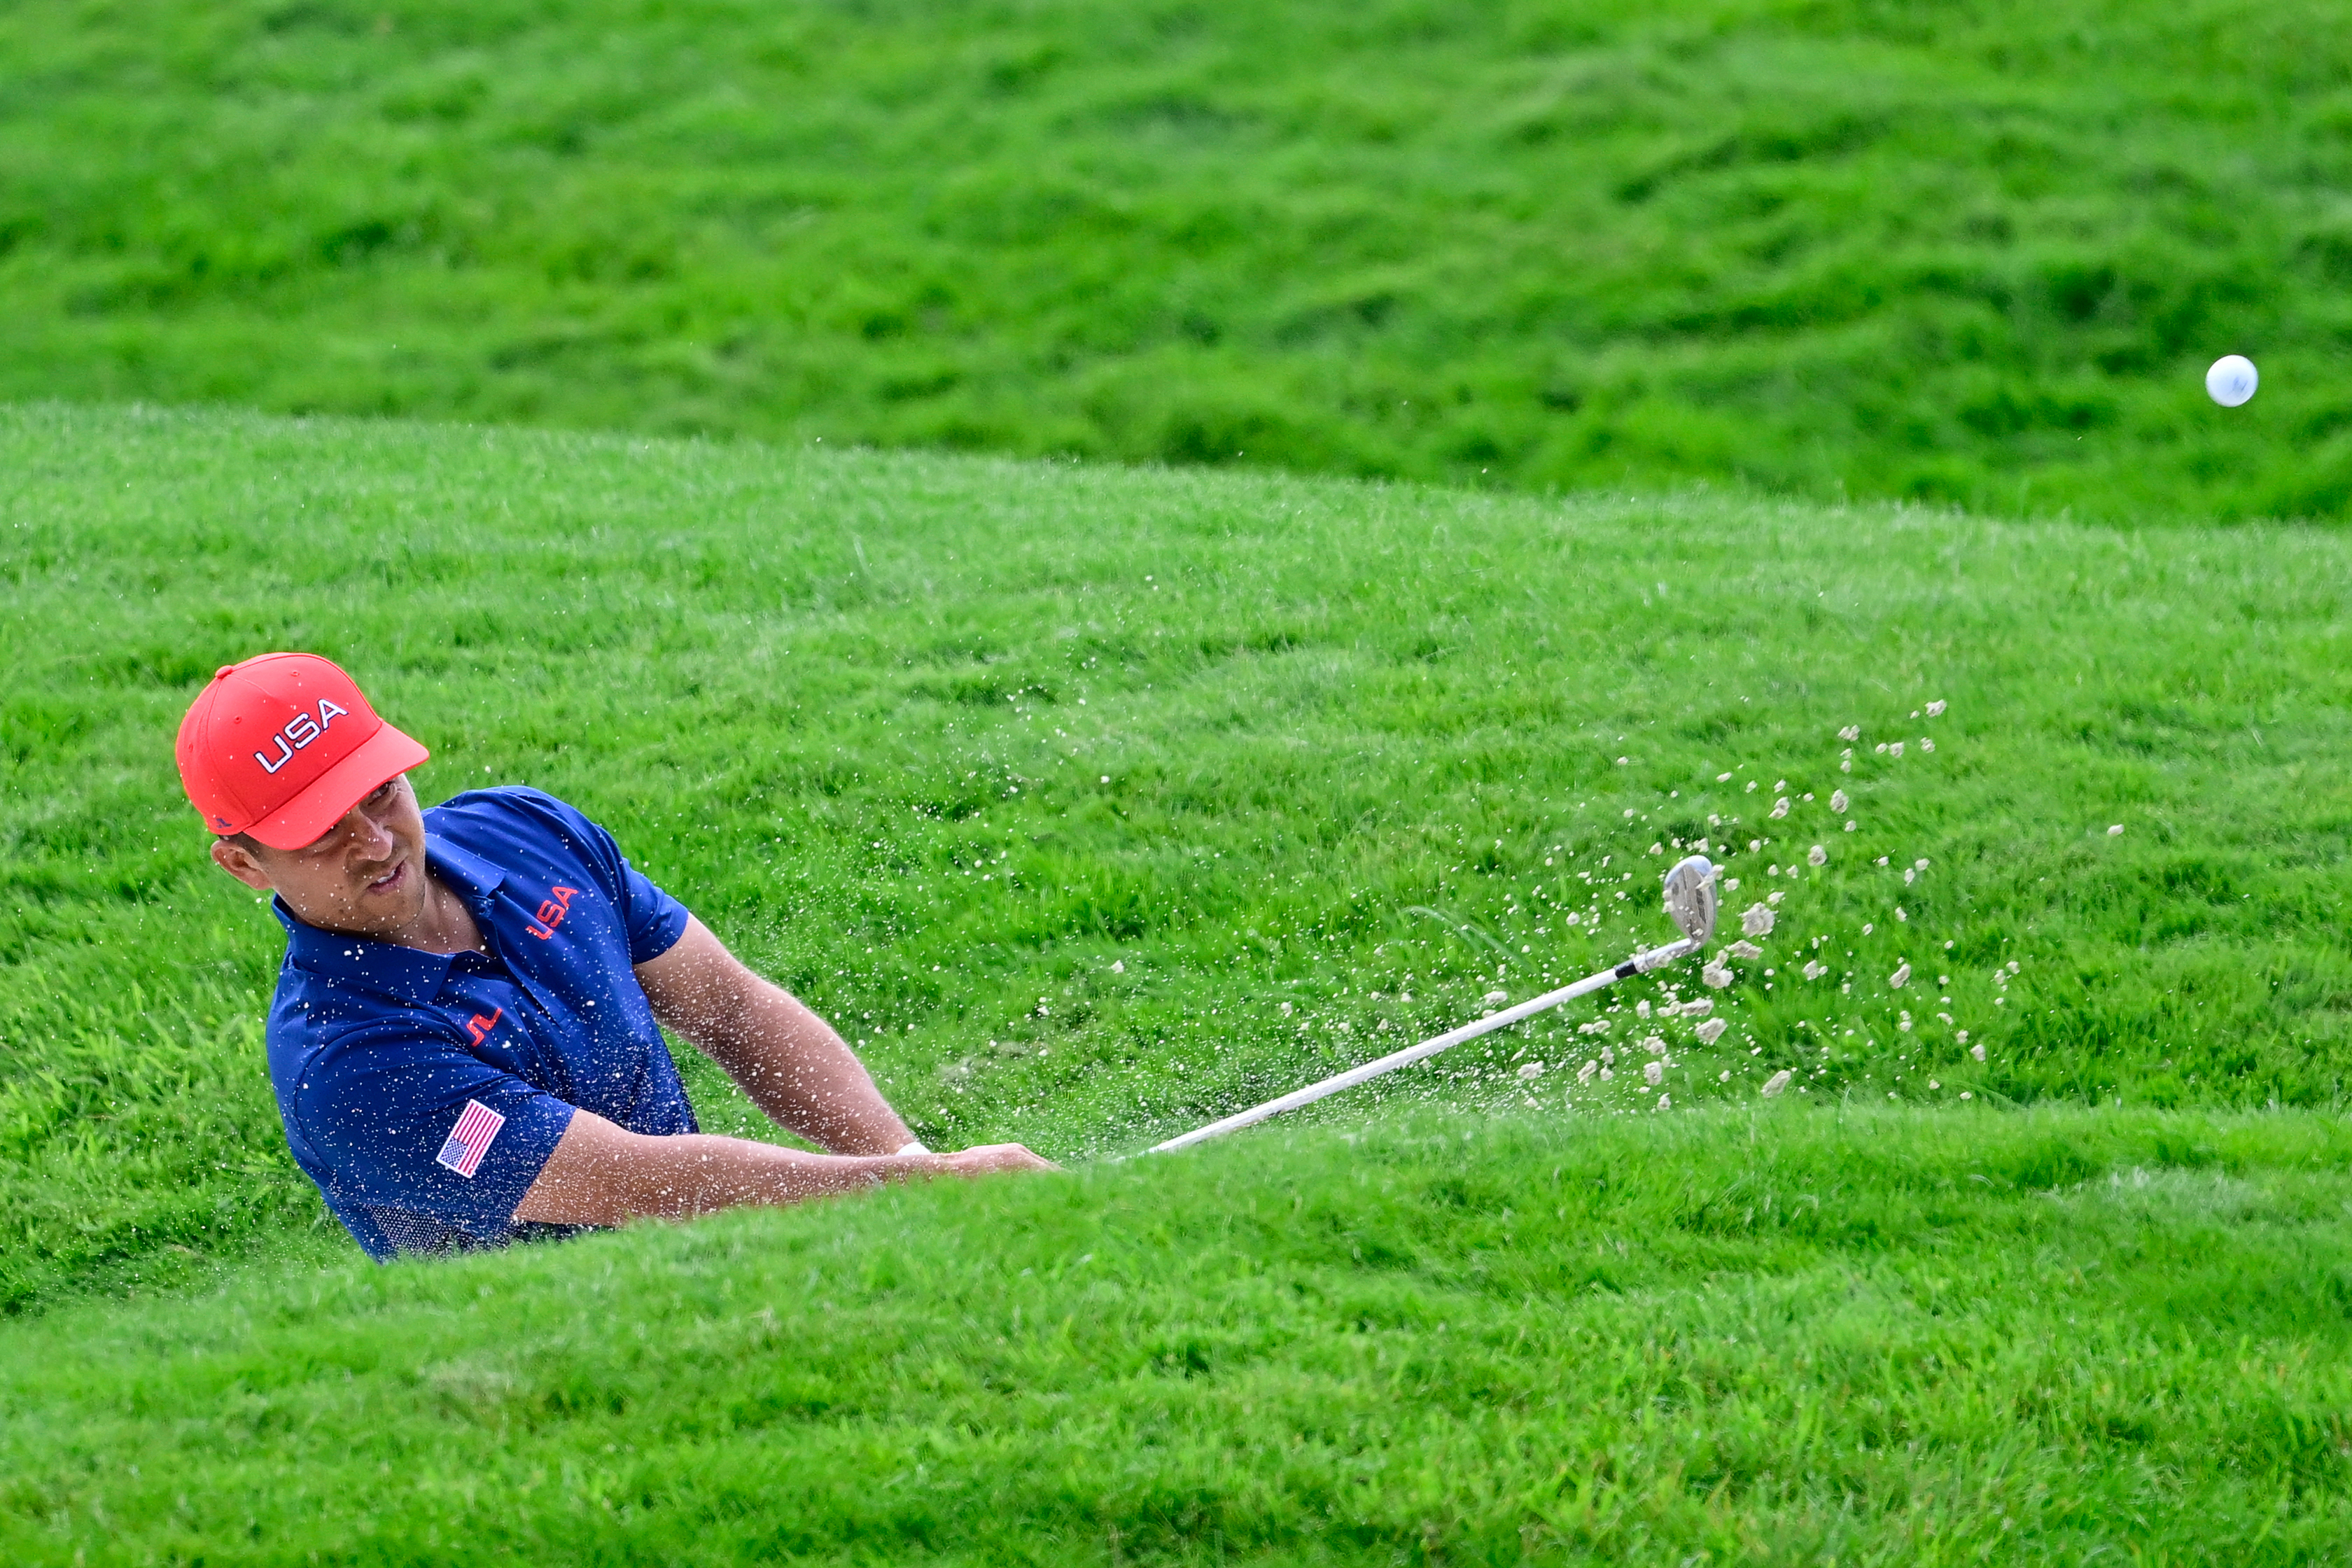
x=604 y=1174
x=787 y=1059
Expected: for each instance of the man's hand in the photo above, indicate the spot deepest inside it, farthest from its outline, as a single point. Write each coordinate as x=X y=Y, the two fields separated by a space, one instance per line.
x=604 y=1174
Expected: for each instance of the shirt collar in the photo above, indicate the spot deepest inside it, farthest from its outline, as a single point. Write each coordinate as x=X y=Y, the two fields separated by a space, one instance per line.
x=474 y=878
x=405 y=974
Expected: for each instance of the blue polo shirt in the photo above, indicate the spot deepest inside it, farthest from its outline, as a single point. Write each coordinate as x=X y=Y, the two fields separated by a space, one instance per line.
x=423 y=1092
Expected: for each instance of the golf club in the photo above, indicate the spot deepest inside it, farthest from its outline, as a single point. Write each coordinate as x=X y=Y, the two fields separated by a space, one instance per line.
x=1690 y=894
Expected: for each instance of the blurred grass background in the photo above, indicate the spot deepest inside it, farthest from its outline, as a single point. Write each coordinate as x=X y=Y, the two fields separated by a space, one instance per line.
x=1971 y=252
x=1093 y=802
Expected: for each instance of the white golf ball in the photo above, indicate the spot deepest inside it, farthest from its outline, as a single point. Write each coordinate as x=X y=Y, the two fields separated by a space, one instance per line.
x=2231 y=380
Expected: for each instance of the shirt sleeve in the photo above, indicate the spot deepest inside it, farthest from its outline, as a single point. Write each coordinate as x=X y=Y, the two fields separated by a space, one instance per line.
x=420 y=1123
x=652 y=919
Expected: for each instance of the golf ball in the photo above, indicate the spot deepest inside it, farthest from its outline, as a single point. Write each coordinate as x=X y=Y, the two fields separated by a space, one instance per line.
x=2231 y=380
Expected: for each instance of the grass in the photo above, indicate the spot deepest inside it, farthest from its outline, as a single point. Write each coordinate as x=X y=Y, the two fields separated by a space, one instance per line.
x=1973 y=253
x=1094 y=801
x=1888 y=1336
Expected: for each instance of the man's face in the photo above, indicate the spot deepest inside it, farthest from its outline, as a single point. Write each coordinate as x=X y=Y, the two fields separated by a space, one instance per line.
x=365 y=876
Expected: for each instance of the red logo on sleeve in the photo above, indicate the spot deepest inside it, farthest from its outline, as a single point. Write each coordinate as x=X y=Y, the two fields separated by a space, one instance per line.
x=551 y=912
x=481 y=1027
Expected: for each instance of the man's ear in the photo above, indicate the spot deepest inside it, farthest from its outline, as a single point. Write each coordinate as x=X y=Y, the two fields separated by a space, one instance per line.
x=237 y=861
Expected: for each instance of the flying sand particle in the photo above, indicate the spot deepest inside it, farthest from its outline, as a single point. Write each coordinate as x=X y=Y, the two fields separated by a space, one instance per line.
x=1776 y=1083
x=1838 y=801
x=1654 y=1073
x=1817 y=856
x=1757 y=919
x=1900 y=978
x=1532 y=1071
x=1712 y=1030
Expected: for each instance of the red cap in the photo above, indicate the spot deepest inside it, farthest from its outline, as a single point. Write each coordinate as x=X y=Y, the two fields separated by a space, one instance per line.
x=282 y=745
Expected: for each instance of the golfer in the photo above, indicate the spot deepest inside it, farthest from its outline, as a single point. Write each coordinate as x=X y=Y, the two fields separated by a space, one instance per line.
x=464 y=1041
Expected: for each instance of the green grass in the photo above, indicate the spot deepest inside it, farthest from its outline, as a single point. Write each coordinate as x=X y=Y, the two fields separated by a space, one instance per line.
x=1877 y=1337
x=1971 y=252
x=1095 y=802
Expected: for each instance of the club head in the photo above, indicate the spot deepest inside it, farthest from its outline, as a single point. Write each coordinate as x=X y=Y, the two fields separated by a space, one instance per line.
x=1691 y=898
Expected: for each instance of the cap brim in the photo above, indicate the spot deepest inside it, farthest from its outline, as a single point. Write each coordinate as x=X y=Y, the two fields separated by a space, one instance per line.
x=302 y=821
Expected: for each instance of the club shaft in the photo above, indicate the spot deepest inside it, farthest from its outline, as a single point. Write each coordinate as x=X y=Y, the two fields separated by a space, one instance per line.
x=1639 y=964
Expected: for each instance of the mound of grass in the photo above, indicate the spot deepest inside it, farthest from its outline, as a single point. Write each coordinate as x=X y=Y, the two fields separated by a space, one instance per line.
x=1094 y=804
x=1961 y=252
x=1888 y=1336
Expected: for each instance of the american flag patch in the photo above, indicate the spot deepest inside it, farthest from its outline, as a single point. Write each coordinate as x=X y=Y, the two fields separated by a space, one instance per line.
x=470 y=1139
